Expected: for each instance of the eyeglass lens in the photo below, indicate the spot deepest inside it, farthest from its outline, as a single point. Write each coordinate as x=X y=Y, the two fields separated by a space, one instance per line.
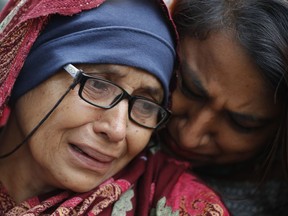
x=104 y=94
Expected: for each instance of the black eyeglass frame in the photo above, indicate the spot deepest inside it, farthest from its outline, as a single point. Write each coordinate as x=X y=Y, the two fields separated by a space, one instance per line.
x=80 y=77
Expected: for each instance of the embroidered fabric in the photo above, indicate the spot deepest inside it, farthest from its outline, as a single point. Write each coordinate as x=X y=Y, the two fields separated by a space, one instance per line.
x=153 y=184
x=21 y=23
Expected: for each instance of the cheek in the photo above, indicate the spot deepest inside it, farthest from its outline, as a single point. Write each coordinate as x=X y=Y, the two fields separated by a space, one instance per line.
x=68 y=114
x=233 y=142
x=49 y=135
x=180 y=104
x=33 y=106
x=44 y=145
x=29 y=112
x=137 y=140
x=176 y=100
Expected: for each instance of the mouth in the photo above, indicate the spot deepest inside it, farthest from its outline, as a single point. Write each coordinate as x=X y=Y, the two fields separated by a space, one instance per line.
x=91 y=158
x=80 y=151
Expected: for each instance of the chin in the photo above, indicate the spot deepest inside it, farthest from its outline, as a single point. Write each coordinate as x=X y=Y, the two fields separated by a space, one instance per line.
x=84 y=188
x=81 y=185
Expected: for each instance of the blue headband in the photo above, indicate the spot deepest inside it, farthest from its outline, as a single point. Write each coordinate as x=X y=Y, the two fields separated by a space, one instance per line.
x=126 y=32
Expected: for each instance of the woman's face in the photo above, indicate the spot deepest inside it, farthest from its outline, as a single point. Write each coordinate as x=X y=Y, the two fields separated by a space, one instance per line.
x=223 y=110
x=79 y=145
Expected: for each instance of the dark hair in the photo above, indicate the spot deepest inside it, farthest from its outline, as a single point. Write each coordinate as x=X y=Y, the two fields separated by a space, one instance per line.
x=261 y=28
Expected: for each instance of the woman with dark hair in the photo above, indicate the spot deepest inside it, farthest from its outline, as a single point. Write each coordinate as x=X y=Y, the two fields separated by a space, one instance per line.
x=230 y=107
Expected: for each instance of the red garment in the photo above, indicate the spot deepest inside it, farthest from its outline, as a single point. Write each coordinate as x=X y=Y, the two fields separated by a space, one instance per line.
x=152 y=184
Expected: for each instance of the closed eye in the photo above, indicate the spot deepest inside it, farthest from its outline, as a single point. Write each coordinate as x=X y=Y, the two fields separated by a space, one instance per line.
x=188 y=92
x=247 y=123
x=190 y=83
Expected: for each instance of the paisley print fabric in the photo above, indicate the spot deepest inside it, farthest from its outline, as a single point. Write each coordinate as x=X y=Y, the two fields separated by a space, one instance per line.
x=153 y=184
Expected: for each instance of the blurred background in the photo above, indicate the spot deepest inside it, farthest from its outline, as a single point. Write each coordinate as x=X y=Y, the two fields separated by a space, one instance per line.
x=168 y=2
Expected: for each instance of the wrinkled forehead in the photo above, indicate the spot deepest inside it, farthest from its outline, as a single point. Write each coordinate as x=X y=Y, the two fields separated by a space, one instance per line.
x=220 y=67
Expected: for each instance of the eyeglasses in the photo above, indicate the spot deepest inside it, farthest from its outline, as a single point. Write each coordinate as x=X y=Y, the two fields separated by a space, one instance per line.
x=106 y=94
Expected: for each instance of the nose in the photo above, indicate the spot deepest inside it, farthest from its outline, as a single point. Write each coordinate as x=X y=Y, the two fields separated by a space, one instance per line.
x=114 y=122
x=197 y=129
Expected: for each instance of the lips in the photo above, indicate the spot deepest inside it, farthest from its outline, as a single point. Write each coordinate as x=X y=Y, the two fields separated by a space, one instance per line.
x=92 y=154
x=89 y=158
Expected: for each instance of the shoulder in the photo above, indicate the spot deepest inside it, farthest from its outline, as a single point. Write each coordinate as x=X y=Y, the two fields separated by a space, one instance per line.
x=189 y=196
x=193 y=197
x=184 y=193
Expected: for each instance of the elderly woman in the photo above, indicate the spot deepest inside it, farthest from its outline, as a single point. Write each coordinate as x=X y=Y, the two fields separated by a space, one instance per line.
x=230 y=107
x=89 y=94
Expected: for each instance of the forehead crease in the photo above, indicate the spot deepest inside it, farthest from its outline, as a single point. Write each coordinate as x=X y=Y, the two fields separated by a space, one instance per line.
x=253 y=103
x=232 y=80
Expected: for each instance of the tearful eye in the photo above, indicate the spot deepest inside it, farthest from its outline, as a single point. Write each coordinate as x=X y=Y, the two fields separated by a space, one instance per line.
x=98 y=85
x=100 y=92
x=95 y=89
x=241 y=127
x=189 y=91
x=147 y=112
x=143 y=108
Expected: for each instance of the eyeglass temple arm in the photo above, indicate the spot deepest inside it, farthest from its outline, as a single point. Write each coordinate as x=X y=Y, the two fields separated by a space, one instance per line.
x=74 y=72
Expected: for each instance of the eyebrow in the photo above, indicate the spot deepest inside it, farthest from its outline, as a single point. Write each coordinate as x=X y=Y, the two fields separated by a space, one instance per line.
x=153 y=91
x=114 y=72
x=190 y=75
x=110 y=71
x=156 y=93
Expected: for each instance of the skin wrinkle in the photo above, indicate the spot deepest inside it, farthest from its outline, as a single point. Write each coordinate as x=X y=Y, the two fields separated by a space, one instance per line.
x=111 y=74
x=215 y=110
x=255 y=98
x=108 y=133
